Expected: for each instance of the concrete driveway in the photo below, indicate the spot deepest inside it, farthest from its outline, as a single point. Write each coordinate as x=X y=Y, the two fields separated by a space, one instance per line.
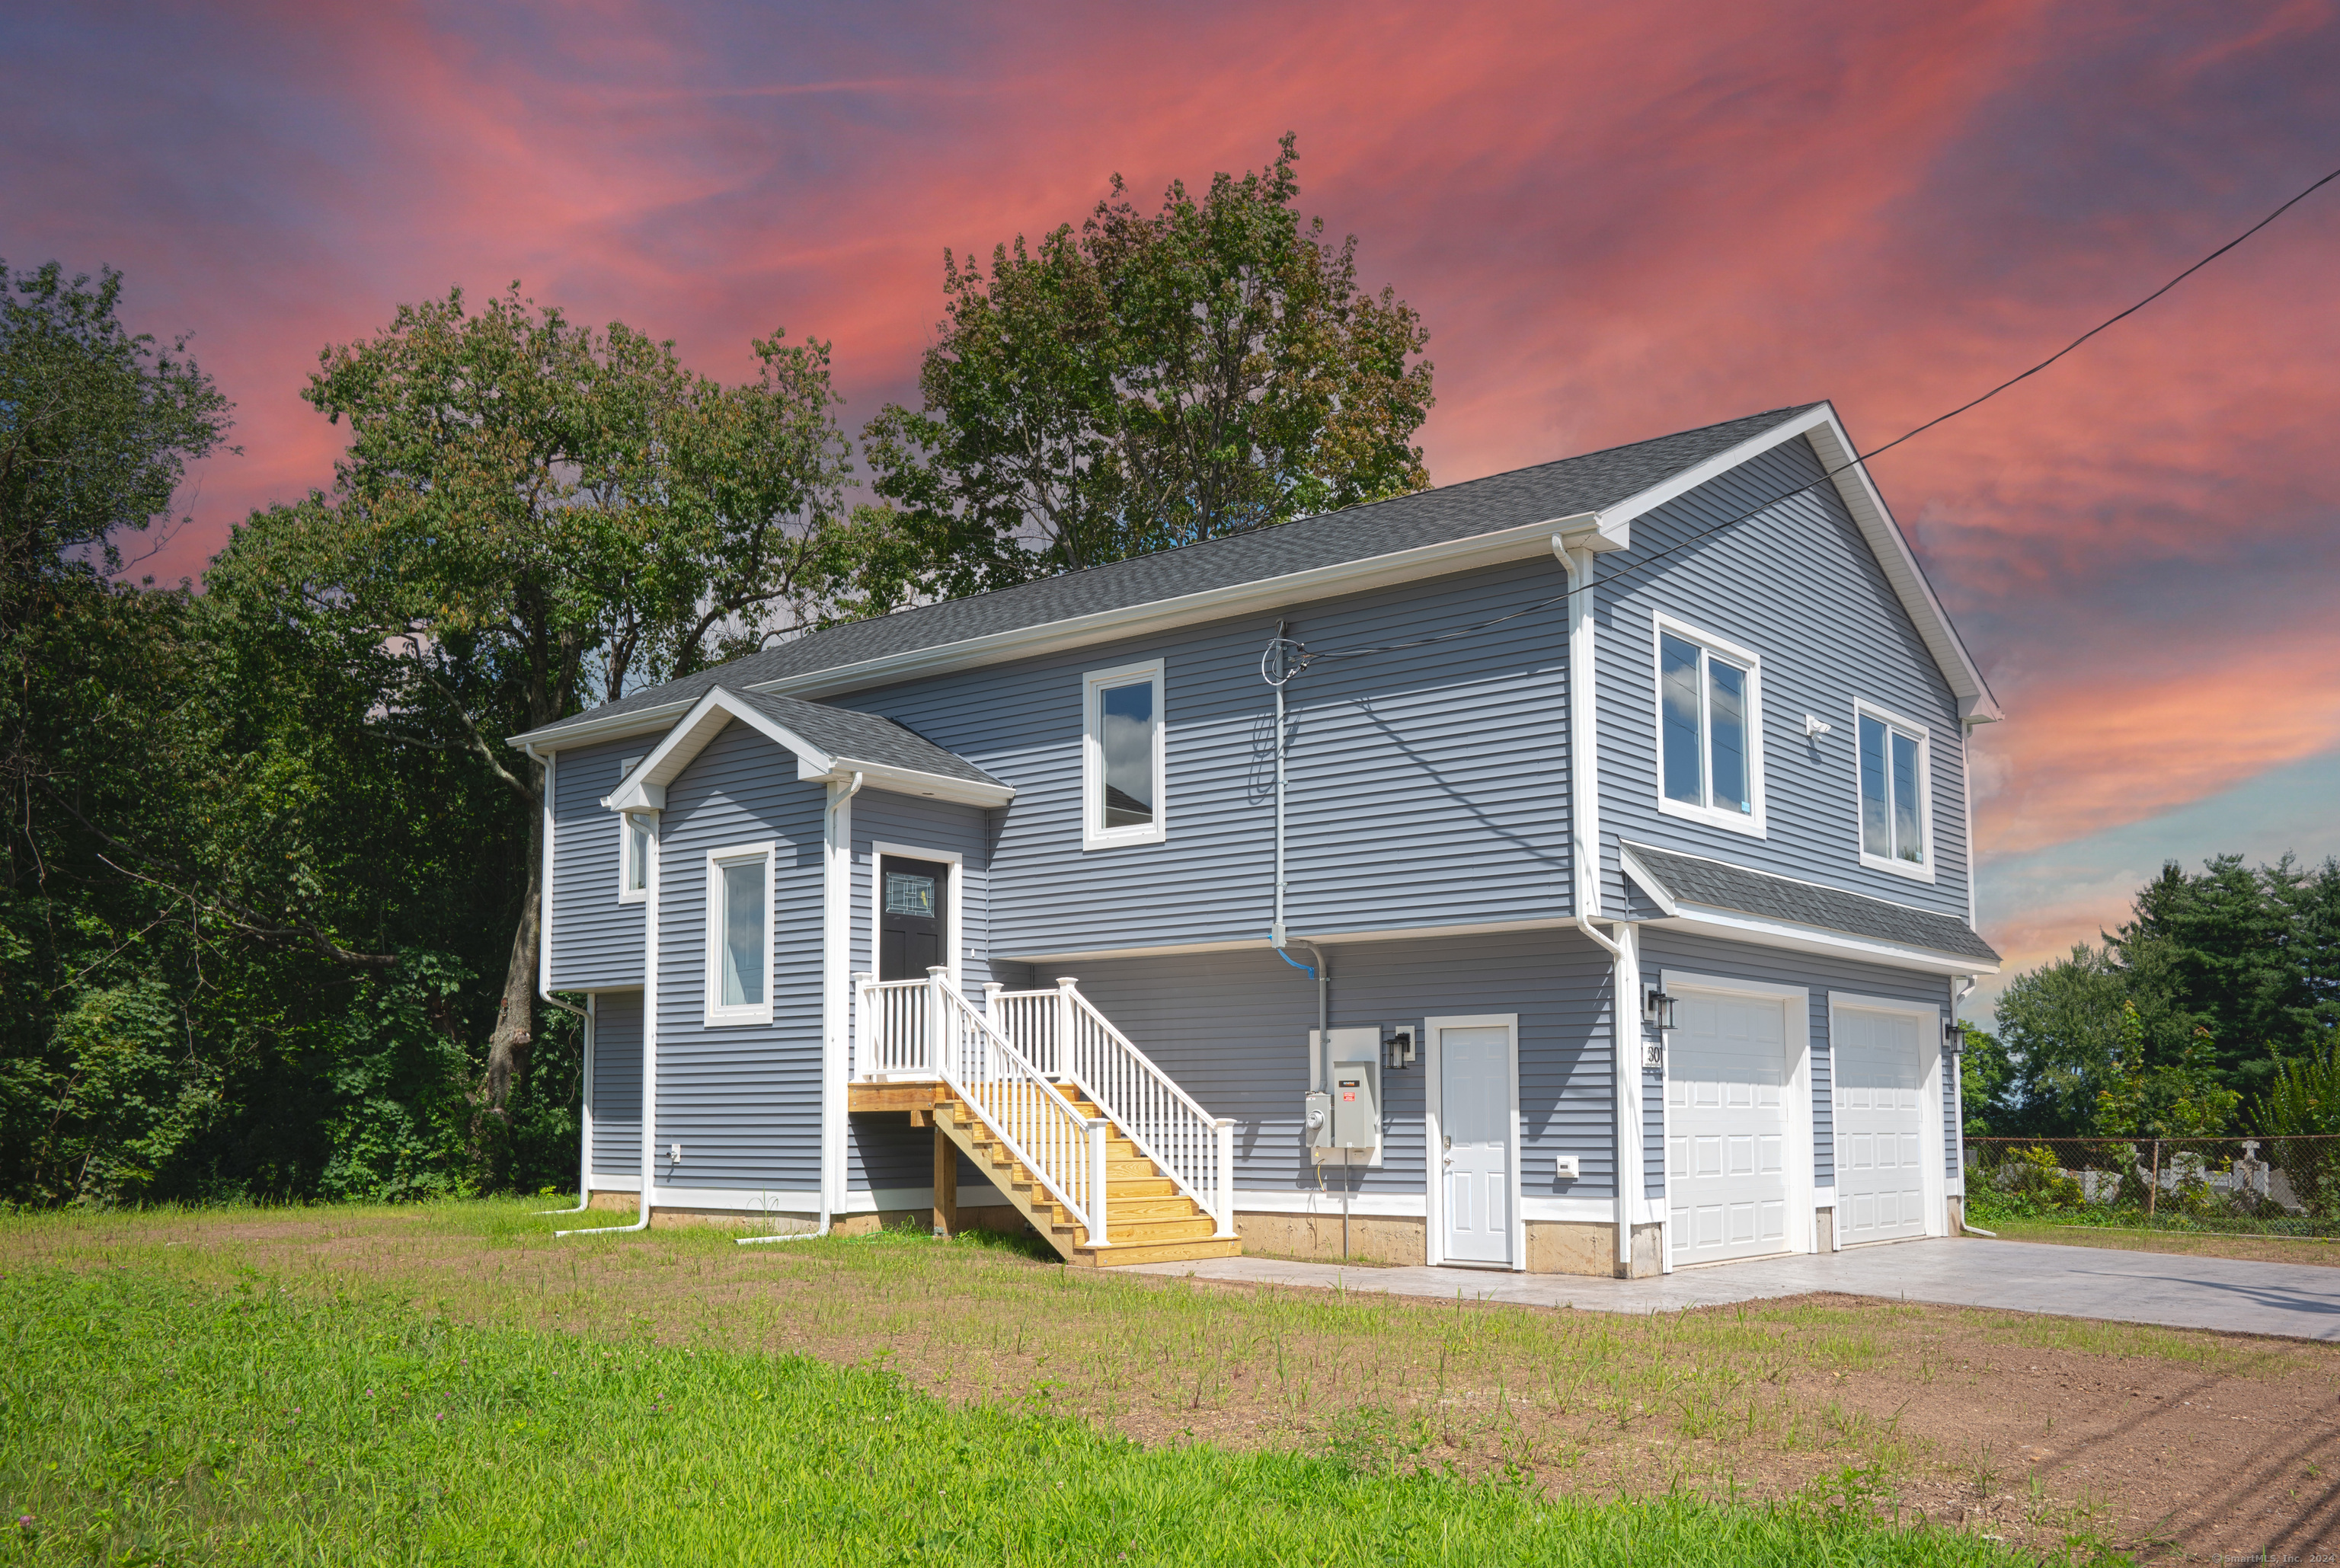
x=2299 y=1301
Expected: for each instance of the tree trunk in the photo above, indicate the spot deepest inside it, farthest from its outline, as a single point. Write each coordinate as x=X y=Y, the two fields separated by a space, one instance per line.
x=515 y=1028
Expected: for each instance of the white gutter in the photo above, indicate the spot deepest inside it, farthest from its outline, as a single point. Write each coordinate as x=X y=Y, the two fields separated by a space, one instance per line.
x=833 y=960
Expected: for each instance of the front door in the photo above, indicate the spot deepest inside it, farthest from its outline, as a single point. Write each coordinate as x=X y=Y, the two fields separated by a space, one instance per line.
x=1726 y=1127
x=1474 y=1114
x=912 y=898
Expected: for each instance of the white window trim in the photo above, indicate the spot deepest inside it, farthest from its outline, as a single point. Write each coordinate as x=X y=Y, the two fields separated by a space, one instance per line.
x=625 y=895
x=1749 y=823
x=1921 y=871
x=1434 y=1110
x=952 y=949
x=1094 y=832
x=1933 y=1158
x=716 y=1016
x=1803 y=1156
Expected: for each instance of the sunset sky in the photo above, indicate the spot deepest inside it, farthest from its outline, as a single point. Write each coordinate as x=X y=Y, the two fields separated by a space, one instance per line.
x=1617 y=220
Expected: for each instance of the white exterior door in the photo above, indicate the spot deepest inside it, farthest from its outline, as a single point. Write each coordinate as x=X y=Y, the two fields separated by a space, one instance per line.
x=1880 y=1076
x=1475 y=1078
x=1726 y=1127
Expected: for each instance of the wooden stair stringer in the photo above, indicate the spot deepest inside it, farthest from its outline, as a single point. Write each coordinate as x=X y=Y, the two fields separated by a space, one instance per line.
x=1163 y=1224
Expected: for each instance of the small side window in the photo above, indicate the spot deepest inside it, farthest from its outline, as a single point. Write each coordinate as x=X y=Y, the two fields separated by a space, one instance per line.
x=740 y=935
x=1896 y=809
x=1709 y=730
x=636 y=831
x=1123 y=757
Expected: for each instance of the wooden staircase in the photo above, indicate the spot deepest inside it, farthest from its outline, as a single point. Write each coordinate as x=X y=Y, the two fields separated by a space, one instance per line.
x=1148 y=1218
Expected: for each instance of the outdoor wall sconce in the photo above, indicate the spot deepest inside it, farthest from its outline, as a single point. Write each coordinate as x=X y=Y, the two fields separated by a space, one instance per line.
x=1658 y=1008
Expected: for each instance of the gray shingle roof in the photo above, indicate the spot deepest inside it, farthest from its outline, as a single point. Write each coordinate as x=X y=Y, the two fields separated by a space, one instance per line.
x=1564 y=488
x=859 y=737
x=1719 y=886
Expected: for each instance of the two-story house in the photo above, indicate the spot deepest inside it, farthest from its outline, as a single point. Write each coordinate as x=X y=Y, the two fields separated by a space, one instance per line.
x=1565 y=871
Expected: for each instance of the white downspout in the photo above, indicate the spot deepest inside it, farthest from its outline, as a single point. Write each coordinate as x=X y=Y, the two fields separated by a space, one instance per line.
x=837 y=889
x=649 y=1048
x=544 y=982
x=1584 y=904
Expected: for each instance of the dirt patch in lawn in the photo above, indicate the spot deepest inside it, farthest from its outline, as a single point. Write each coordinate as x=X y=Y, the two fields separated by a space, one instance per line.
x=2248 y=1249
x=2062 y=1435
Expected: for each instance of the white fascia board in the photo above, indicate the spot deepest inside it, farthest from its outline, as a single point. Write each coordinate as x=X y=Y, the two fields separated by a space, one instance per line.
x=1518 y=544
x=1643 y=878
x=1837 y=453
x=644 y=789
x=904 y=780
x=613 y=726
x=1735 y=925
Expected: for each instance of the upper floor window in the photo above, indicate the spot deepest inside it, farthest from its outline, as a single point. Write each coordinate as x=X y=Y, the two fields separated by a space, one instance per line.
x=1710 y=729
x=634 y=832
x=1896 y=808
x=1122 y=757
x=740 y=935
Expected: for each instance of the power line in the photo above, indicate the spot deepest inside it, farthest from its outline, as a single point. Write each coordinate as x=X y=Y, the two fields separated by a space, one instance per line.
x=1628 y=568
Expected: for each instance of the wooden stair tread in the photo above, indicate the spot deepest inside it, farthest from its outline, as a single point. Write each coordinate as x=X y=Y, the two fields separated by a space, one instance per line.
x=1148 y=1218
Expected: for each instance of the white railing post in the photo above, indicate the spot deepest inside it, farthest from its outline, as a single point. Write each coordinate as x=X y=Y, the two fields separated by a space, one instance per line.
x=862 y=1002
x=1224 y=1127
x=1066 y=1065
x=993 y=1011
x=1098 y=1235
x=939 y=1020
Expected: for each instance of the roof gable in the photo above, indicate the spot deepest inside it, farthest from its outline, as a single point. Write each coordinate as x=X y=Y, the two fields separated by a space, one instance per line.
x=830 y=744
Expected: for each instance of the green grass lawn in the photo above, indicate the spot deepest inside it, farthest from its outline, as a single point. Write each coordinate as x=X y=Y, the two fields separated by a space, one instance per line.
x=149 y=1418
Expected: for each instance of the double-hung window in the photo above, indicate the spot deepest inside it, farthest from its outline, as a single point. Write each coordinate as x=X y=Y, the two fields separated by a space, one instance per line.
x=1895 y=805
x=635 y=830
x=1710 y=729
x=740 y=935
x=1123 y=765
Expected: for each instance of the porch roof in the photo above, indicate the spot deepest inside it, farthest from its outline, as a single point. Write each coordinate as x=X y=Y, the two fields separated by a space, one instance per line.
x=1685 y=878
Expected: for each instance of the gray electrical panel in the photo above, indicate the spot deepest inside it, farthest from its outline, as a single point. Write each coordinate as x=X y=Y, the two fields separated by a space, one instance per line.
x=1344 y=1117
x=1357 y=1104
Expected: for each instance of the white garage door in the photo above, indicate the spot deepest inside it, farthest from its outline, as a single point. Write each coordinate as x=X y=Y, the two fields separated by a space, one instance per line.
x=1881 y=1186
x=1726 y=1127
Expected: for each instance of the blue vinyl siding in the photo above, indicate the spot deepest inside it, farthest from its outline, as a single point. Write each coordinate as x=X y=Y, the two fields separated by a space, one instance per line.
x=616 y=1085
x=1820 y=975
x=596 y=940
x=1799 y=587
x=1233 y=1029
x=743 y=1100
x=1424 y=787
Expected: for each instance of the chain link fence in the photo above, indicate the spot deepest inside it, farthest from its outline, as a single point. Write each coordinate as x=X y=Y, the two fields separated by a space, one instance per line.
x=2286 y=1186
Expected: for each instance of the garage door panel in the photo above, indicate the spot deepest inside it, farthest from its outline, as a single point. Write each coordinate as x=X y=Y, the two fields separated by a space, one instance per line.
x=1879 y=1066
x=1726 y=1096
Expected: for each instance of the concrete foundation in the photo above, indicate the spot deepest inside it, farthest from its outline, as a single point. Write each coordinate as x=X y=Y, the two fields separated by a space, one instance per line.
x=1647 y=1253
x=1000 y=1217
x=1571 y=1246
x=1372 y=1238
x=1823 y=1230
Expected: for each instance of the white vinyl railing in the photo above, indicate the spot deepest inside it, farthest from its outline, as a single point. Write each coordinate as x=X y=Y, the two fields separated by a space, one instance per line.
x=1064 y=1148
x=911 y=1028
x=892 y=1037
x=1190 y=1146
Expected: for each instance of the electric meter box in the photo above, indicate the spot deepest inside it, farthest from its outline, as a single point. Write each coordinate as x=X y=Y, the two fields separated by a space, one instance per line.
x=1349 y=1100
